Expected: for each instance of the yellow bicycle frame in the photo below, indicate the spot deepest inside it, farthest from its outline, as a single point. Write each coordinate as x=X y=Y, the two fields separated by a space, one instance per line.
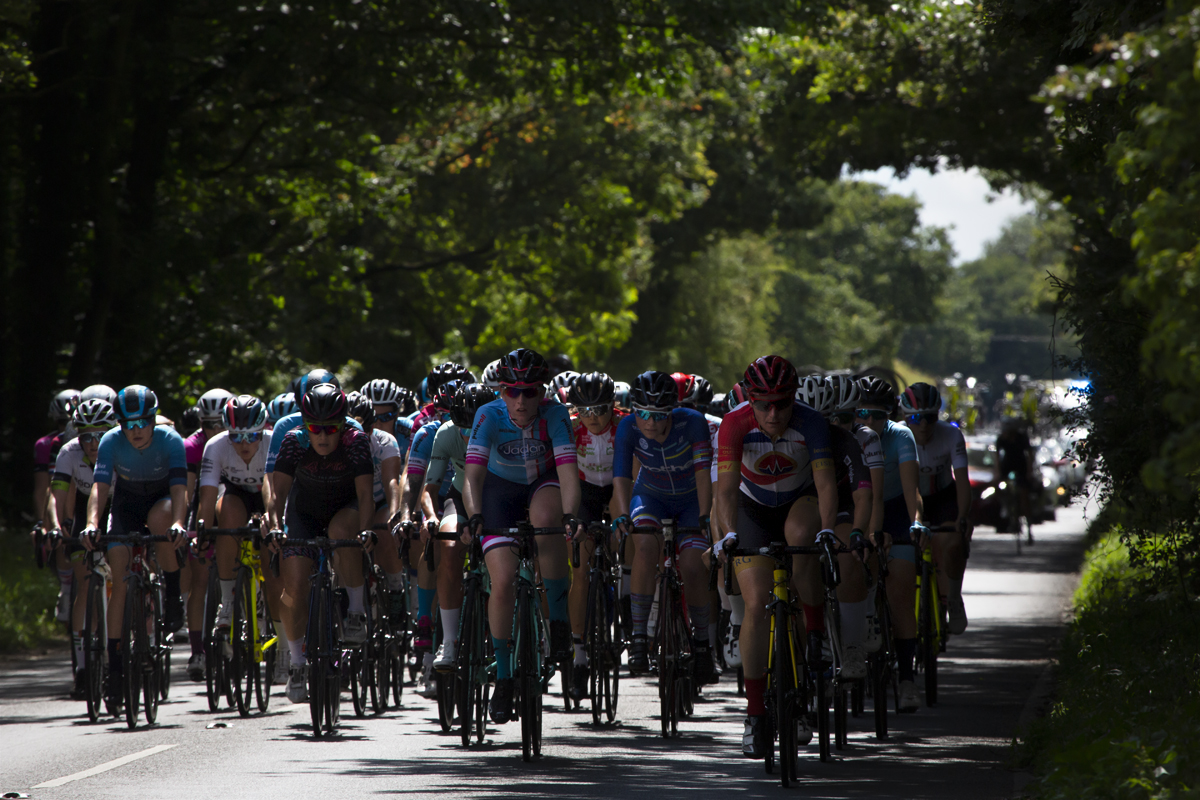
x=782 y=592
x=248 y=556
x=927 y=556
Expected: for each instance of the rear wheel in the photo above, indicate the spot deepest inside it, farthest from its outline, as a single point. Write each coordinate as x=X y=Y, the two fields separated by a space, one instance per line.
x=446 y=696
x=784 y=694
x=928 y=639
x=129 y=653
x=241 y=661
x=529 y=669
x=266 y=670
x=214 y=678
x=821 y=704
x=152 y=661
x=94 y=643
x=879 y=692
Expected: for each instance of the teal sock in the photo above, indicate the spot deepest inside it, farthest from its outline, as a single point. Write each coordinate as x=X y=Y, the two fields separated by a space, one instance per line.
x=425 y=601
x=556 y=594
x=503 y=659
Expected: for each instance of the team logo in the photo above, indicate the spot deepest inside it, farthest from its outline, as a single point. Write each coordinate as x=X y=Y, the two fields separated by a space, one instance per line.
x=643 y=444
x=525 y=449
x=776 y=465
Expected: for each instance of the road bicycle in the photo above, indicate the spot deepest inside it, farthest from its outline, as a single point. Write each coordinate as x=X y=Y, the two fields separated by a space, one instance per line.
x=845 y=690
x=603 y=634
x=883 y=672
x=933 y=626
x=95 y=631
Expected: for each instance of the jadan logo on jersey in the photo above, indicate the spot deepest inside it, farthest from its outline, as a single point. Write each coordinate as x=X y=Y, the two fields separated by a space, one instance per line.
x=526 y=449
x=775 y=464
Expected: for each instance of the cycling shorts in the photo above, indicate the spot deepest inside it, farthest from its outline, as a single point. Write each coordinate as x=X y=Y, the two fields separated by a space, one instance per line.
x=941 y=507
x=505 y=503
x=594 y=500
x=253 y=501
x=453 y=504
x=300 y=526
x=130 y=509
x=759 y=525
x=648 y=509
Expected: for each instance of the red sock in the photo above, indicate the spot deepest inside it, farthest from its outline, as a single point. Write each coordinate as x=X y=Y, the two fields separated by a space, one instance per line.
x=814 y=618
x=755 y=689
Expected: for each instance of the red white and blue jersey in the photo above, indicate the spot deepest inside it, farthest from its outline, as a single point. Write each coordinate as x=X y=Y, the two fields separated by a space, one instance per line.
x=521 y=455
x=668 y=467
x=774 y=471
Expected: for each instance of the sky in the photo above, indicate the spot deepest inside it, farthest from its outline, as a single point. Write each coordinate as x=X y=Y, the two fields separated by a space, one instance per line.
x=957 y=200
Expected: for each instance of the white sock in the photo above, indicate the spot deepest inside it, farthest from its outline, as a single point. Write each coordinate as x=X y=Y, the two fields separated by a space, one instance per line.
x=854 y=622
x=626 y=580
x=355 y=593
x=280 y=636
x=450 y=623
x=296 y=651
x=737 y=609
x=395 y=581
x=226 y=592
x=724 y=597
x=77 y=641
x=580 y=654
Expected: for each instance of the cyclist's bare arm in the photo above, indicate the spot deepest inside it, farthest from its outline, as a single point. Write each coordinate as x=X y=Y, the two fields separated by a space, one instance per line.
x=622 y=492
x=208 y=506
x=474 y=475
x=56 y=509
x=282 y=487
x=389 y=474
x=827 y=496
x=728 y=483
x=876 y=501
x=179 y=506
x=364 y=487
x=909 y=472
x=704 y=491
x=96 y=502
x=863 y=511
x=568 y=486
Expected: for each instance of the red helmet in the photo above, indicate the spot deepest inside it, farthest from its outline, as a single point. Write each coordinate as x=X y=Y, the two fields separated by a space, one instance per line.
x=684 y=383
x=771 y=375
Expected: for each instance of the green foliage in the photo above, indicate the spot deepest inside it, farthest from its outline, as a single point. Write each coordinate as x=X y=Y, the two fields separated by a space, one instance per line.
x=27 y=597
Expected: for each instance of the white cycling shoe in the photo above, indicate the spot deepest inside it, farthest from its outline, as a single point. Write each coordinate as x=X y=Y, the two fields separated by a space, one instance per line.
x=446 y=654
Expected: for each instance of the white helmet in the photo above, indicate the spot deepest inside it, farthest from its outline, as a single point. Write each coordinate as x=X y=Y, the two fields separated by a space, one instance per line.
x=817 y=391
x=845 y=392
x=491 y=375
x=211 y=405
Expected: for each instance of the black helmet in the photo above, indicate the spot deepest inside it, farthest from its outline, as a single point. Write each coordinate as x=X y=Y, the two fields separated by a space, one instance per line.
x=467 y=400
x=136 y=402
x=444 y=396
x=281 y=406
x=920 y=397
x=325 y=402
x=561 y=363
x=874 y=391
x=360 y=406
x=301 y=385
x=449 y=371
x=407 y=400
x=591 y=389
x=523 y=367
x=244 y=414
x=653 y=389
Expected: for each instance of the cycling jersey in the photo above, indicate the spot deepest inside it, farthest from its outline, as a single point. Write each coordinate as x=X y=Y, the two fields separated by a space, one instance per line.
x=872 y=447
x=323 y=484
x=72 y=465
x=221 y=463
x=945 y=452
x=714 y=426
x=403 y=433
x=43 y=455
x=521 y=455
x=850 y=468
x=193 y=448
x=899 y=447
x=594 y=452
x=421 y=449
x=283 y=427
x=383 y=447
x=668 y=467
x=449 y=453
x=161 y=464
x=774 y=471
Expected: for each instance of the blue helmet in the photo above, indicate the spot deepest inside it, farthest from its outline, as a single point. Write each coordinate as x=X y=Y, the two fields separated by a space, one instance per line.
x=136 y=402
x=301 y=385
x=281 y=406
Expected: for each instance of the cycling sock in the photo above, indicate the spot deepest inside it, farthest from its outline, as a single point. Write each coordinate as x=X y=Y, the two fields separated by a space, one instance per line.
x=581 y=658
x=814 y=617
x=77 y=643
x=854 y=622
x=196 y=640
x=626 y=581
x=64 y=579
x=503 y=659
x=699 y=617
x=425 y=601
x=296 y=651
x=906 y=650
x=640 y=603
x=226 y=592
x=395 y=581
x=556 y=596
x=450 y=624
x=172 y=584
x=724 y=597
x=355 y=593
x=712 y=635
x=280 y=636
x=755 y=689
x=737 y=609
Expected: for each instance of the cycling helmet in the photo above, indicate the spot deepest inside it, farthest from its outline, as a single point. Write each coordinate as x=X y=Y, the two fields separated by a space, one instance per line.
x=136 y=402
x=523 y=367
x=561 y=363
x=189 y=422
x=443 y=398
x=771 y=375
x=94 y=413
x=591 y=389
x=324 y=402
x=920 y=397
x=245 y=414
x=381 y=392
x=466 y=401
x=817 y=391
x=491 y=375
x=360 y=406
x=212 y=404
x=407 y=401
x=317 y=376
x=735 y=397
x=845 y=392
x=281 y=406
x=653 y=390
x=694 y=390
x=98 y=391
x=561 y=384
x=62 y=405
x=874 y=391
x=449 y=371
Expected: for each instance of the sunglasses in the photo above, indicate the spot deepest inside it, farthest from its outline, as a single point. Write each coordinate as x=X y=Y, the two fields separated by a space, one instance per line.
x=328 y=430
x=917 y=419
x=388 y=417
x=135 y=424
x=763 y=406
x=653 y=416
x=593 y=411
x=251 y=436
x=91 y=438
x=872 y=413
x=517 y=391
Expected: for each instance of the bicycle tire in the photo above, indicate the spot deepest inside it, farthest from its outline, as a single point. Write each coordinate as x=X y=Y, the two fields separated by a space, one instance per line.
x=597 y=652
x=164 y=654
x=317 y=641
x=840 y=737
x=466 y=668
x=927 y=644
x=446 y=690
x=359 y=685
x=94 y=643
x=336 y=664
x=857 y=699
x=820 y=690
x=151 y=664
x=133 y=671
x=333 y=696
x=784 y=697
x=529 y=673
x=879 y=692
x=213 y=672
x=240 y=676
x=266 y=672
x=316 y=694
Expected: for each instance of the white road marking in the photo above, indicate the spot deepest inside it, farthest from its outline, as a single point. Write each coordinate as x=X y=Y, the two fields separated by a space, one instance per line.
x=106 y=766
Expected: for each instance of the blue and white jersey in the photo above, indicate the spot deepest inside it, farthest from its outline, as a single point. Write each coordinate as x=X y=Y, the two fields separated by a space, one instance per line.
x=521 y=455
x=899 y=447
x=162 y=462
x=668 y=467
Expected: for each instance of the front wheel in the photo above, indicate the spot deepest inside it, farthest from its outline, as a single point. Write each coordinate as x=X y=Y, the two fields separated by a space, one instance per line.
x=152 y=661
x=94 y=643
x=129 y=653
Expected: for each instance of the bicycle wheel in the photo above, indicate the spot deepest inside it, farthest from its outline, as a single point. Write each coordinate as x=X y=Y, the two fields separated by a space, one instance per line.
x=265 y=671
x=687 y=683
x=668 y=704
x=857 y=699
x=333 y=694
x=129 y=652
x=241 y=661
x=214 y=677
x=878 y=666
x=465 y=668
x=928 y=638
x=359 y=681
x=151 y=663
x=839 y=715
x=529 y=670
x=94 y=643
x=784 y=693
x=164 y=652
x=446 y=691
x=597 y=649
x=821 y=703
x=316 y=693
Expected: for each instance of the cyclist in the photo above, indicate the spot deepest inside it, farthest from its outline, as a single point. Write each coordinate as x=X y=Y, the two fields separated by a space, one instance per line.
x=775 y=479
x=448 y=458
x=1015 y=454
x=595 y=426
x=673 y=449
x=442 y=373
x=322 y=481
x=151 y=493
x=236 y=458
x=945 y=491
x=74 y=464
x=210 y=408
x=521 y=455
x=45 y=451
x=296 y=419
x=892 y=522
x=854 y=517
x=388 y=400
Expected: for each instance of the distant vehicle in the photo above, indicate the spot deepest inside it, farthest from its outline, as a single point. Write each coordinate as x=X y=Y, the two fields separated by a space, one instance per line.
x=981 y=469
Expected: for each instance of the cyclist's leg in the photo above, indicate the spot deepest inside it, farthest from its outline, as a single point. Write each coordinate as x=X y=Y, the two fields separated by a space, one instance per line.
x=503 y=505
x=118 y=557
x=690 y=547
x=851 y=592
x=450 y=579
x=803 y=523
x=348 y=561
x=948 y=548
x=545 y=511
x=158 y=520
x=901 y=592
x=755 y=575
x=593 y=501
x=646 y=511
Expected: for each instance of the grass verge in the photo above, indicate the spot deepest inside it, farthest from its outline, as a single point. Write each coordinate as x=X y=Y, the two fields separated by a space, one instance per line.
x=1126 y=721
x=27 y=596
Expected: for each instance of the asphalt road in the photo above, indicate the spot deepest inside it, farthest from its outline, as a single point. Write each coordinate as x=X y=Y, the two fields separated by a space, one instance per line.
x=960 y=749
